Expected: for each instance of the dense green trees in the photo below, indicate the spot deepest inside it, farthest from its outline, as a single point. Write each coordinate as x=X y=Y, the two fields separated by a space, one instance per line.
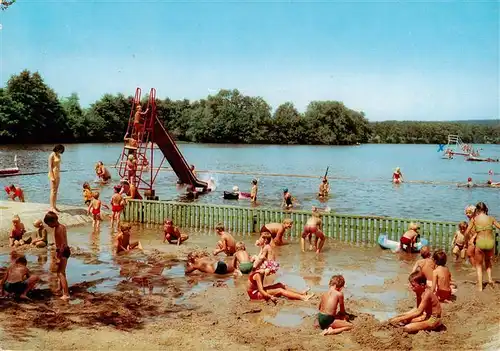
x=30 y=112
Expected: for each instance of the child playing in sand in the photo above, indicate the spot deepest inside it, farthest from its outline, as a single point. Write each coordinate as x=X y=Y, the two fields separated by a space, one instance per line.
x=117 y=205
x=313 y=226
x=426 y=264
x=203 y=262
x=408 y=240
x=277 y=230
x=254 y=191
x=17 y=232
x=266 y=251
x=441 y=279
x=241 y=259
x=87 y=194
x=458 y=242
x=329 y=320
x=257 y=291
x=63 y=252
x=427 y=315
x=18 y=280
x=123 y=243
x=40 y=239
x=14 y=192
x=172 y=234
x=226 y=244
x=95 y=209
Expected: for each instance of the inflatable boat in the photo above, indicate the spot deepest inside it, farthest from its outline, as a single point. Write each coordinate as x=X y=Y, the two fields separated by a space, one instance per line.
x=392 y=245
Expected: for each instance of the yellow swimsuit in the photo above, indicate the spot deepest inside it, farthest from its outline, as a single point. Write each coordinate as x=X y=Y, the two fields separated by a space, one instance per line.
x=56 y=166
x=484 y=243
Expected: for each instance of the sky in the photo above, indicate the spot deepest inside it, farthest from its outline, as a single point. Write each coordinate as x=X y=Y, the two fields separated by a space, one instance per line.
x=393 y=60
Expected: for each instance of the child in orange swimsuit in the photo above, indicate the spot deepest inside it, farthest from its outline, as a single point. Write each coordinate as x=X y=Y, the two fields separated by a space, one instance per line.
x=87 y=194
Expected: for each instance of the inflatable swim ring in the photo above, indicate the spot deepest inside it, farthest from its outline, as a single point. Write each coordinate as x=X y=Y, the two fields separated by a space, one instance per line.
x=392 y=245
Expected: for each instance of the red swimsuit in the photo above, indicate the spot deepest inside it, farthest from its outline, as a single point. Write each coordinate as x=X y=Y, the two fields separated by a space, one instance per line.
x=253 y=290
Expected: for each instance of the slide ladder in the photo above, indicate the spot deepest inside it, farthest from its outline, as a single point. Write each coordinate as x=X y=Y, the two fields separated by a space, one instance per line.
x=456 y=146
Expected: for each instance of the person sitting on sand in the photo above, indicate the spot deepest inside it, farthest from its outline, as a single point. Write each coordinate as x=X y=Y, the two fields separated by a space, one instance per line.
x=172 y=234
x=427 y=315
x=287 y=199
x=123 y=243
x=266 y=252
x=426 y=265
x=203 y=262
x=277 y=230
x=324 y=188
x=458 y=242
x=18 y=280
x=14 y=192
x=329 y=320
x=17 y=232
x=226 y=244
x=241 y=259
x=254 y=191
x=257 y=291
x=397 y=176
x=40 y=239
x=409 y=238
x=441 y=279
x=313 y=226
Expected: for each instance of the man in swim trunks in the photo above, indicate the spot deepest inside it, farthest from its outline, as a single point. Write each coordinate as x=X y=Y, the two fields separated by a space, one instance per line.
x=241 y=259
x=18 y=280
x=201 y=261
x=226 y=244
x=329 y=320
x=313 y=226
x=172 y=234
x=277 y=230
x=62 y=250
x=426 y=265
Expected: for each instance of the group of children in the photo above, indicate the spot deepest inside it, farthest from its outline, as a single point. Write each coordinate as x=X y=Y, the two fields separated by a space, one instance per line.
x=91 y=199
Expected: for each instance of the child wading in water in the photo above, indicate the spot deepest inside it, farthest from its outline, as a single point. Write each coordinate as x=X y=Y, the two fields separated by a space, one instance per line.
x=87 y=194
x=117 y=205
x=427 y=315
x=441 y=281
x=226 y=244
x=328 y=318
x=426 y=265
x=254 y=191
x=287 y=199
x=41 y=234
x=62 y=250
x=123 y=243
x=172 y=234
x=95 y=209
x=242 y=261
x=18 y=279
x=458 y=242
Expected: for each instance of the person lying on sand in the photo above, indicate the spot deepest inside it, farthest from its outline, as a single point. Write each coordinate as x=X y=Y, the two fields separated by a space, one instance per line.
x=241 y=259
x=18 y=280
x=203 y=262
x=40 y=239
x=172 y=234
x=123 y=243
x=426 y=264
x=329 y=320
x=277 y=230
x=257 y=291
x=427 y=315
x=226 y=244
x=441 y=280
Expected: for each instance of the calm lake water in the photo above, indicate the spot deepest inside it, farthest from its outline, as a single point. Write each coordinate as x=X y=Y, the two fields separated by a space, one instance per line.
x=363 y=185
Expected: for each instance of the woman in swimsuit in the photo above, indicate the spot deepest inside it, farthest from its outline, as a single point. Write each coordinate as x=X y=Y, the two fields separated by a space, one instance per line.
x=485 y=241
x=54 y=175
x=397 y=176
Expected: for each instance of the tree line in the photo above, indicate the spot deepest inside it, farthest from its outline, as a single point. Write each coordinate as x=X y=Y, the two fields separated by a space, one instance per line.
x=31 y=112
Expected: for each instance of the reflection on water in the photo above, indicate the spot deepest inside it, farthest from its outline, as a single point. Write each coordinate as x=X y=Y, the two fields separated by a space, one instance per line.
x=364 y=186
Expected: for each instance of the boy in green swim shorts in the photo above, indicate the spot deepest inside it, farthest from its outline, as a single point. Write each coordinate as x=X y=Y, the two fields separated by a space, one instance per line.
x=241 y=259
x=328 y=319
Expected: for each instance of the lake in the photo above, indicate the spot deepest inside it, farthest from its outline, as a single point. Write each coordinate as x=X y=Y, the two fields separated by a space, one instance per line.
x=364 y=186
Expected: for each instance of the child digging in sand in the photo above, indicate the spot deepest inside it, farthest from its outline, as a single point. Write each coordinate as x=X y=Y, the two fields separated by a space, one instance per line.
x=241 y=259
x=18 y=279
x=40 y=239
x=277 y=230
x=17 y=232
x=426 y=264
x=427 y=315
x=172 y=234
x=123 y=243
x=226 y=244
x=62 y=250
x=441 y=280
x=328 y=319
x=458 y=242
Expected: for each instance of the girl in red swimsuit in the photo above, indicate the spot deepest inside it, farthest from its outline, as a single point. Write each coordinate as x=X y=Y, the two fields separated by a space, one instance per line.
x=95 y=209
x=117 y=205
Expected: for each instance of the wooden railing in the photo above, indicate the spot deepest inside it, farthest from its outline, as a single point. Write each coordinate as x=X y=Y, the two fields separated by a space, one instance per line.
x=247 y=220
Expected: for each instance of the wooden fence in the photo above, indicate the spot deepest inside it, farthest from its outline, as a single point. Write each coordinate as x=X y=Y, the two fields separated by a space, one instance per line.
x=247 y=220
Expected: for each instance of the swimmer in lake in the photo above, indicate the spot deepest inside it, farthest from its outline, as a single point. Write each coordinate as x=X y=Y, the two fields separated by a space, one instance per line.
x=172 y=234
x=277 y=230
x=203 y=262
x=18 y=279
x=313 y=226
x=123 y=243
x=329 y=320
x=427 y=314
x=426 y=265
x=254 y=191
x=287 y=199
x=324 y=188
x=226 y=244
x=241 y=260
x=441 y=280
x=397 y=176
x=410 y=237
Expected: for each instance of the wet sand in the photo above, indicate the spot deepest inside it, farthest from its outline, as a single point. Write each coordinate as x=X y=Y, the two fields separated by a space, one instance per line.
x=144 y=301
